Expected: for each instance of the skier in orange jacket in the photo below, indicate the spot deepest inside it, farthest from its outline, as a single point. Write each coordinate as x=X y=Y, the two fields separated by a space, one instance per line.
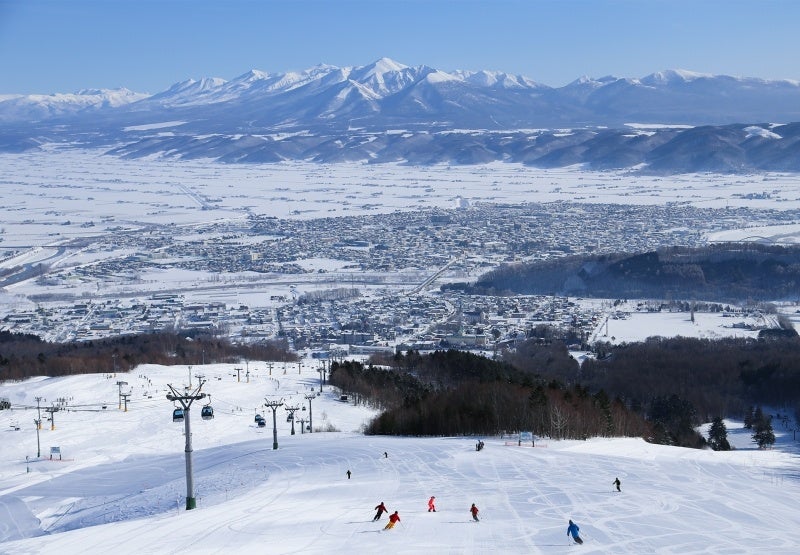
x=394 y=518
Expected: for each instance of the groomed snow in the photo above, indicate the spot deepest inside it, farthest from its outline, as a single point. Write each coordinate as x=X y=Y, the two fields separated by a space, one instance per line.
x=121 y=487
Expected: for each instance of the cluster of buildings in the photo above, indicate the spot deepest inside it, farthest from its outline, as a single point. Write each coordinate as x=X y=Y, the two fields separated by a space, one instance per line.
x=362 y=283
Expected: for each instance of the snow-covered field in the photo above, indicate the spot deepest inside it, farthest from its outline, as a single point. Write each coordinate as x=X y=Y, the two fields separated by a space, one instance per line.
x=120 y=487
x=57 y=195
x=633 y=326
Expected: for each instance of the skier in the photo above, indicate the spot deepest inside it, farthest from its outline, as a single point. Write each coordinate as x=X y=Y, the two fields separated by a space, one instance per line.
x=474 y=511
x=572 y=530
x=385 y=455
x=431 y=504
x=617 y=483
x=381 y=509
x=394 y=518
x=348 y=474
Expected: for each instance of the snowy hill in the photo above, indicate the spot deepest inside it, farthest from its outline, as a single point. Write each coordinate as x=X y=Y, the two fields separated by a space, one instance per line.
x=120 y=485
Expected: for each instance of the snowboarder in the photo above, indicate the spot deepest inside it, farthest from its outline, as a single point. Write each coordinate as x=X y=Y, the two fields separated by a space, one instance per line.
x=348 y=474
x=474 y=511
x=617 y=483
x=394 y=518
x=432 y=504
x=381 y=509
x=572 y=530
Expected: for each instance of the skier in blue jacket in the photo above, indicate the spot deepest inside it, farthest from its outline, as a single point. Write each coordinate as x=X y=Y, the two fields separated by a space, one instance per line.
x=572 y=530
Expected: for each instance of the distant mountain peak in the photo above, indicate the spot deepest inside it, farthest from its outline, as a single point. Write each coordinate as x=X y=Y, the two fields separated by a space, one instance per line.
x=585 y=80
x=253 y=75
x=671 y=76
x=385 y=65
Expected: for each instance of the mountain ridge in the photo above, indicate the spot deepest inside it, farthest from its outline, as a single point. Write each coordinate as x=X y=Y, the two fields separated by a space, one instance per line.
x=351 y=106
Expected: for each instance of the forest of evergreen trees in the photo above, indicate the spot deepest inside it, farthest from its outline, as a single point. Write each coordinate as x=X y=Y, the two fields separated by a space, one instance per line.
x=23 y=356
x=457 y=393
x=718 y=377
x=678 y=383
x=733 y=272
x=660 y=389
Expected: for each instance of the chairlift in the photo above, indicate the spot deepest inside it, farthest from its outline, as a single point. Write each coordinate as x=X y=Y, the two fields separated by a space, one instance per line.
x=177 y=415
x=259 y=417
x=207 y=412
x=262 y=423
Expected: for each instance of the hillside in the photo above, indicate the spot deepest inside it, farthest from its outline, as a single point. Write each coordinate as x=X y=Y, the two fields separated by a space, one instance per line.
x=120 y=486
x=724 y=272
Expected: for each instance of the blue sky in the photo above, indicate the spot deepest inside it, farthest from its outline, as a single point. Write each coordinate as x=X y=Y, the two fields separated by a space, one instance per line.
x=49 y=46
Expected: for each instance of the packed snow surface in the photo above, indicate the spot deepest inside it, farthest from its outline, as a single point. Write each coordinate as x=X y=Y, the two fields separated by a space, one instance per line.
x=120 y=484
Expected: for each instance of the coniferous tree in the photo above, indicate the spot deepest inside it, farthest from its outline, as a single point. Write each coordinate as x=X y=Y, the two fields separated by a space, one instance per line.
x=763 y=434
x=718 y=435
x=758 y=416
x=748 y=418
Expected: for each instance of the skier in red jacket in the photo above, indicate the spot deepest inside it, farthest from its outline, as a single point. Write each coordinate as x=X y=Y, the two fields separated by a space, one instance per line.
x=474 y=511
x=381 y=509
x=394 y=518
x=432 y=504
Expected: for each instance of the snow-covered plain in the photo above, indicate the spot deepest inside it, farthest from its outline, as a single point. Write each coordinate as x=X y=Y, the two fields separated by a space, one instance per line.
x=120 y=487
x=57 y=195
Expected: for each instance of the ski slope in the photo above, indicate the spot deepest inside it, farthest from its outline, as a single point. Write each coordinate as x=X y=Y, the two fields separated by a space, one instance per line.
x=120 y=486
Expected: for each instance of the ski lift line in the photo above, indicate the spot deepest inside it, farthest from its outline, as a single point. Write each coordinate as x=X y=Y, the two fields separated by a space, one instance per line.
x=82 y=410
x=218 y=401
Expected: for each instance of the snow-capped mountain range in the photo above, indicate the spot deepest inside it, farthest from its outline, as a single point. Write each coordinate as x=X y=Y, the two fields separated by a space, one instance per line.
x=387 y=111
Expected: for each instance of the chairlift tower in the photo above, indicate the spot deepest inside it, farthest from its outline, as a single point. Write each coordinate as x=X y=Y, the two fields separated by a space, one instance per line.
x=309 y=397
x=38 y=422
x=52 y=410
x=39 y=413
x=274 y=406
x=322 y=370
x=291 y=410
x=119 y=385
x=186 y=400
